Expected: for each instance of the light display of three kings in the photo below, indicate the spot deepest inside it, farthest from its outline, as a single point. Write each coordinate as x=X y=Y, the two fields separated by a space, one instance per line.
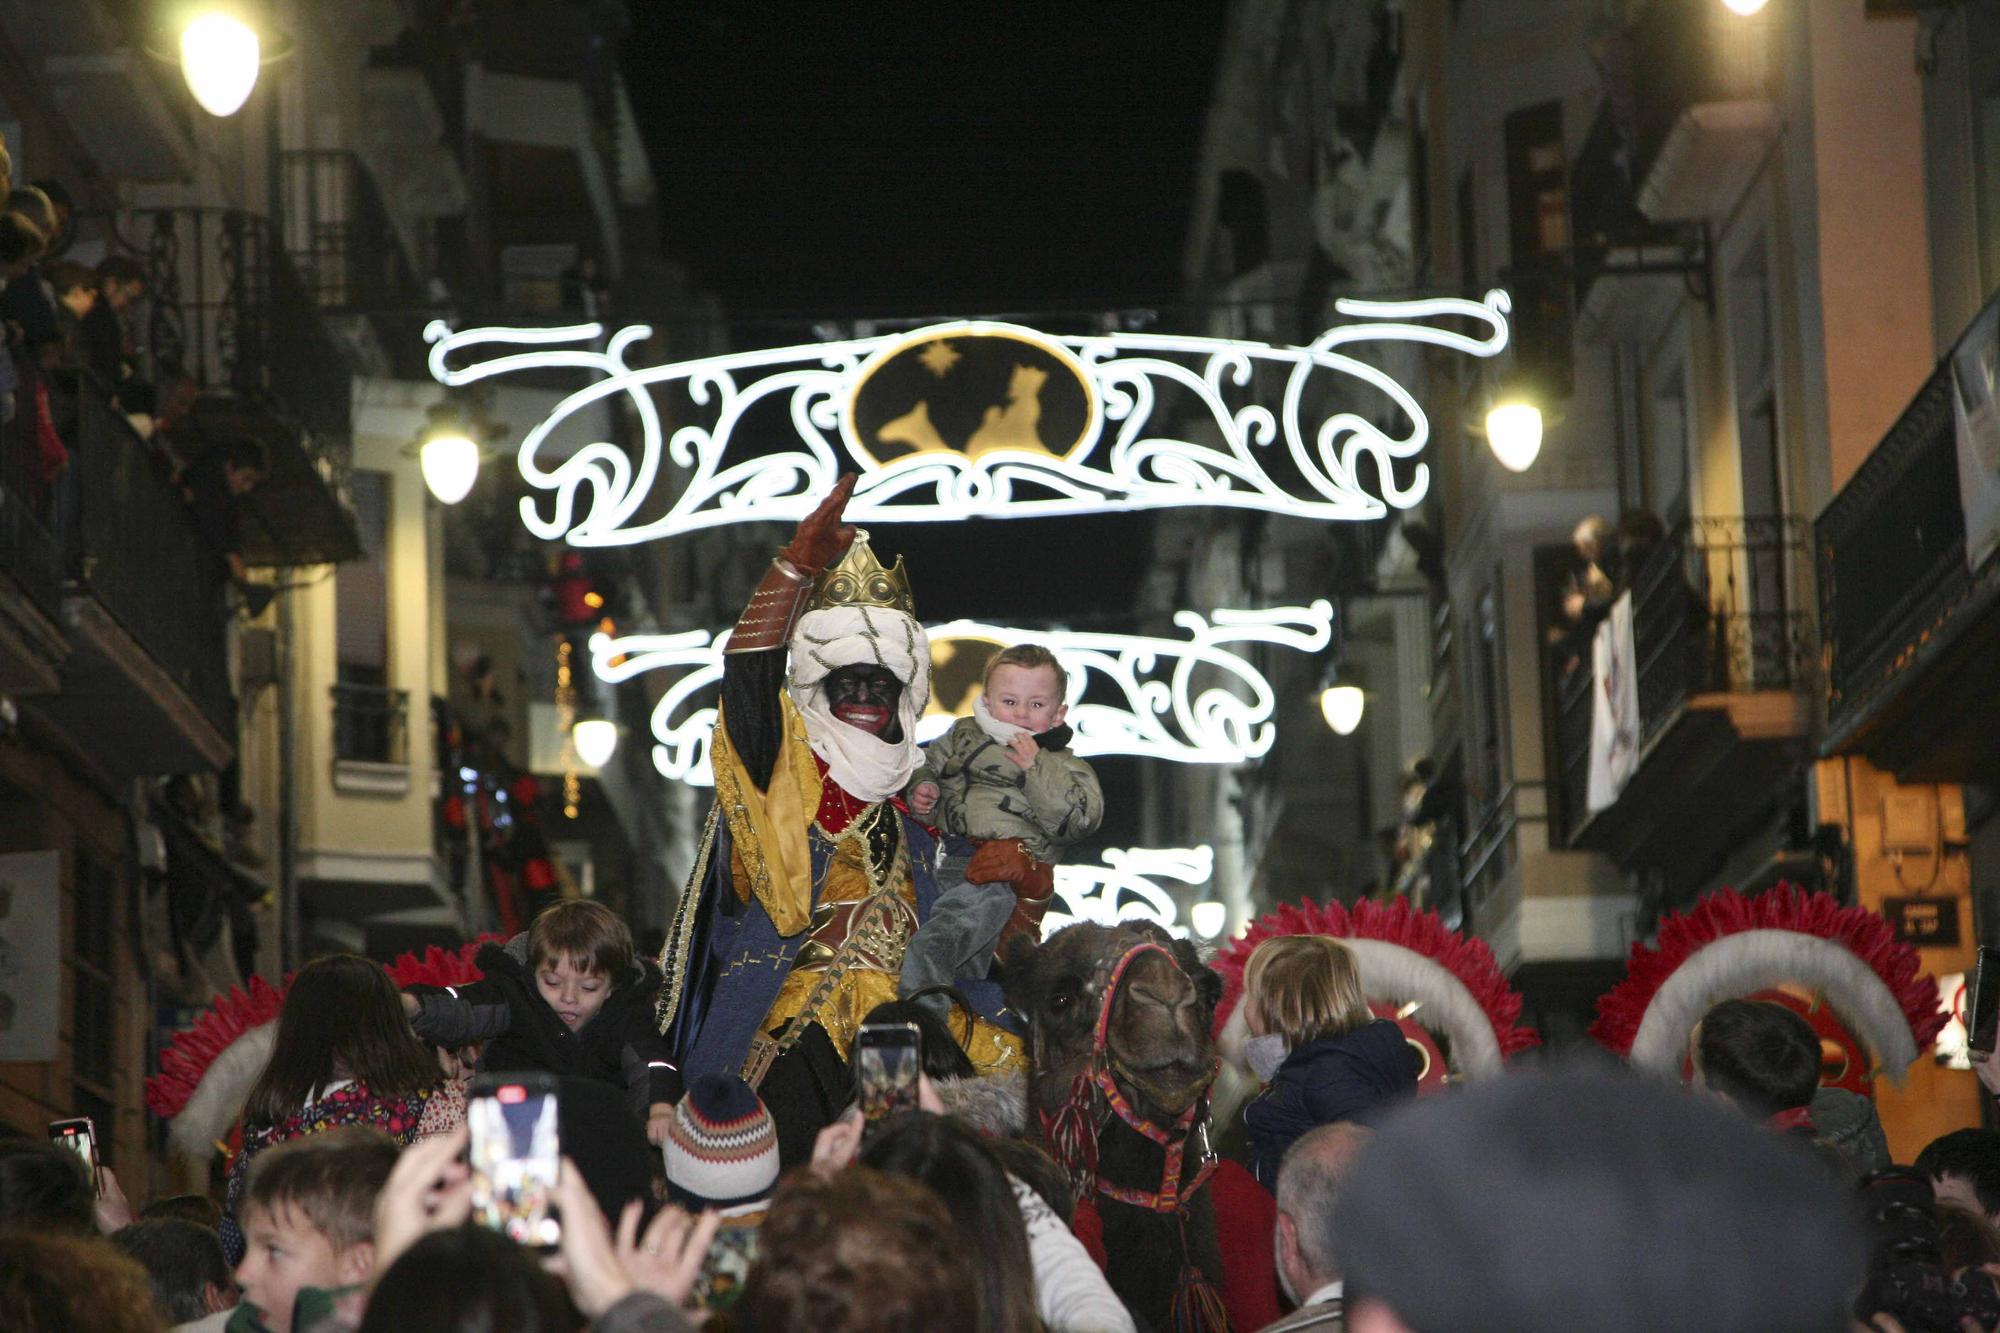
x=813 y=874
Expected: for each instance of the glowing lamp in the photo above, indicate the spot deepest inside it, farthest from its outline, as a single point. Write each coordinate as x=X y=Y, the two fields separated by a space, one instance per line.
x=1208 y=918
x=1341 y=706
x=450 y=464
x=1514 y=430
x=219 y=59
x=1745 y=7
x=596 y=740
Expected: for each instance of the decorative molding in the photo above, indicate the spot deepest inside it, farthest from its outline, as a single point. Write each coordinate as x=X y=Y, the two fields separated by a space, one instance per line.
x=1190 y=701
x=360 y=777
x=1336 y=458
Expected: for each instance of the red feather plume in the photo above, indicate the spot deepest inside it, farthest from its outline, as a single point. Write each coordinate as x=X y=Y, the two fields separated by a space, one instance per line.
x=188 y=1056
x=1465 y=956
x=1787 y=907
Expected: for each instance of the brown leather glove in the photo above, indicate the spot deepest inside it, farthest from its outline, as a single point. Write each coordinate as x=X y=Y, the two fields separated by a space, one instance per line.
x=821 y=537
x=1005 y=861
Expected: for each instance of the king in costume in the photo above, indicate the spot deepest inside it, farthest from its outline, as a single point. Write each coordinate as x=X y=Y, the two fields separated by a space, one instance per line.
x=813 y=874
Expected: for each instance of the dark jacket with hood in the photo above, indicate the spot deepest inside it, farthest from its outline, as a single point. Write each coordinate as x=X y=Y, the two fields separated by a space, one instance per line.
x=620 y=1045
x=1349 y=1077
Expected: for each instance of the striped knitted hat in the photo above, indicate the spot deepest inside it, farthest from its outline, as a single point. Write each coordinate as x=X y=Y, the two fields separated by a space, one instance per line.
x=721 y=1148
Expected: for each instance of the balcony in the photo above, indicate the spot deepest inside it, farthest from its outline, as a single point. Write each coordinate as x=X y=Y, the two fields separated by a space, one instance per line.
x=145 y=689
x=1723 y=668
x=232 y=321
x=31 y=642
x=1703 y=113
x=1909 y=628
x=1629 y=269
x=344 y=246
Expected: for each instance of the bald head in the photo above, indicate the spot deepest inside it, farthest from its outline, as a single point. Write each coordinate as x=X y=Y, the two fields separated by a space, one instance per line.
x=1309 y=1181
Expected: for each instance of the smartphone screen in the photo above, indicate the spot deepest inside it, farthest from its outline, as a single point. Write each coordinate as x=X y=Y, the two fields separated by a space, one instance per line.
x=1984 y=1012
x=80 y=1137
x=887 y=1059
x=515 y=1157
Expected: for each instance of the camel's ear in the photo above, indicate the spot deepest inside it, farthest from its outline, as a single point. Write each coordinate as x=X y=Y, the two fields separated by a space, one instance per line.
x=1207 y=982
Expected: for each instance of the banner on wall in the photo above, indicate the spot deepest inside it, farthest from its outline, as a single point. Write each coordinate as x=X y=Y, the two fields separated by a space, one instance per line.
x=1614 y=710
x=30 y=955
x=1975 y=397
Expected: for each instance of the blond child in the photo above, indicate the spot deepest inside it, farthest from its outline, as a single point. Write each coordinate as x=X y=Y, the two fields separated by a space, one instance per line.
x=1004 y=777
x=1313 y=1042
x=308 y=1219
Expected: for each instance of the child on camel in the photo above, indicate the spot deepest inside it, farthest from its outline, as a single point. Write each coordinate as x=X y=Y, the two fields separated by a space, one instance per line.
x=569 y=997
x=1006 y=778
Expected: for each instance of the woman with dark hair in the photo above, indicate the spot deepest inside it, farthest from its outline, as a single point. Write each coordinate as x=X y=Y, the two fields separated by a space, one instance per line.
x=53 y=1283
x=1032 y=1273
x=465 y=1279
x=343 y=1055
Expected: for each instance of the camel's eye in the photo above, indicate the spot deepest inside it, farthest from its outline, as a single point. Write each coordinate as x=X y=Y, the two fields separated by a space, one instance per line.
x=1063 y=998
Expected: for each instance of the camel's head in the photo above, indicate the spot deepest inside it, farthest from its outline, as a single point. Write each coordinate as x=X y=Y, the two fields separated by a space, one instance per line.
x=1158 y=1034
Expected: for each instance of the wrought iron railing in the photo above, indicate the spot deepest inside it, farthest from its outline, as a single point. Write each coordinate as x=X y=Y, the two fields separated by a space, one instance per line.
x=230 y=313
x=28 y=503
x=143 y=559
x=371 y=724
x=1891 y=553
x=342 y=241
x=1710 y=615
x=1683 y=54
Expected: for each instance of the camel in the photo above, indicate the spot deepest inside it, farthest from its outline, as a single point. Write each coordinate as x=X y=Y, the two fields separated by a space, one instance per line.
x=1127 y=1010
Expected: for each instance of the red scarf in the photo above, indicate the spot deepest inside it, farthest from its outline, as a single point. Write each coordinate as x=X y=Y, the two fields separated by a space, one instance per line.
x=1798 y=1118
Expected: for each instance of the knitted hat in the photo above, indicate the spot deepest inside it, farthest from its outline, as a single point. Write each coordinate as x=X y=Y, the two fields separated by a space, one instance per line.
x=721 y=1148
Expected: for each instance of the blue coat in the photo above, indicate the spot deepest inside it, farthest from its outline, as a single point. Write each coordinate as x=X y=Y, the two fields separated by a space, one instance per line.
x=1349 y=1077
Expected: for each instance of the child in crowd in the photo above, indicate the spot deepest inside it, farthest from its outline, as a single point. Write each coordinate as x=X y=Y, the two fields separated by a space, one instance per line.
x=1322 y=1056
x=308 y=1215
x=568 y=997
x=1005 y=777
x=722 y=1156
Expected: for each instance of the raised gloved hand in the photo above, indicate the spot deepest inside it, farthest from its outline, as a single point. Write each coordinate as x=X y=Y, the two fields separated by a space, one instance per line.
x=821 y=537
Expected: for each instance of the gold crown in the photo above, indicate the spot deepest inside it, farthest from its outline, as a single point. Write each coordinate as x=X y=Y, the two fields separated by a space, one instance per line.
x=862 y=580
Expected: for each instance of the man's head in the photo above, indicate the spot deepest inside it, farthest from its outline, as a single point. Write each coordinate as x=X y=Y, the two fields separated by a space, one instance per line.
x=21 y=243
x=1964 y=1168
x=308 y=1217
x=196 y=1208
x=244 y=464
x=43 y=1188
x=184 y=1260
x=1027 y=686
x=74 y=285
x=860 y=1250
x=865 y=696
x=579 y=951
x=1593 y=537
x=1309 y=1181
x=1759 y=1055
x=1590 y=1198
x=122 y=280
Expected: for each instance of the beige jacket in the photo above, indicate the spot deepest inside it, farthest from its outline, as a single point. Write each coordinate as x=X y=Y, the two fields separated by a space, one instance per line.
x=983 y=793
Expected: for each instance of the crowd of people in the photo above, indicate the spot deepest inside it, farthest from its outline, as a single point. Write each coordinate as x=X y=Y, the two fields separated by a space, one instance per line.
x=1572 y=1197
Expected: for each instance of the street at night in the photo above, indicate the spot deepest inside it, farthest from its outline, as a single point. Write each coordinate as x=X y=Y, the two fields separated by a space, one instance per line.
x=1194 y=666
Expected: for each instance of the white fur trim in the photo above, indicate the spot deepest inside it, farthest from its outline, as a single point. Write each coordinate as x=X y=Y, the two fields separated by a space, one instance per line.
x=1754 y=960
x=218 y=1099
x=1393 y=974
x=994 y=1104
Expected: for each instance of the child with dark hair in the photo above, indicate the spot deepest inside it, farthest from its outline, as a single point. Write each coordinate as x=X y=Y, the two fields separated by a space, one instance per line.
x=43 y=1188
x=1964 y=1168
x=308 y=1214
x=569 y=997
x=1761 y=1057
x=343 y=1056
x=192 y=1286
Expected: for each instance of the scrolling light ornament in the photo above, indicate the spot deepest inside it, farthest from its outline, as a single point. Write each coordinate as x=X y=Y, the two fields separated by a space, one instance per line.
x=1190 y=701
x=1124 y=888
x=1073 y=424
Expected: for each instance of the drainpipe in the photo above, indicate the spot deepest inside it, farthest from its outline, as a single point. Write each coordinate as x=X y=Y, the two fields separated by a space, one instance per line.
x=291 y=922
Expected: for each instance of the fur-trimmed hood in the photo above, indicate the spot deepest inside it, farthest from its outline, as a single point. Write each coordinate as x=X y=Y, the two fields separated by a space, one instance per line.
x=995 y=1105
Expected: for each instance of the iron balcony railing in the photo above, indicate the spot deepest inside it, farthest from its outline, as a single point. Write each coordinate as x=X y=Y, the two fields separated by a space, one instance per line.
x=230 y=313
x=371 y=724
x=141 y=557
x=1710 y=615
x=28 y=504
x=1891 y=554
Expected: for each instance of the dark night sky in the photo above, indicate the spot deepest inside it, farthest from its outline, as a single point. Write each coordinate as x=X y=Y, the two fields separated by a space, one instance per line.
x=951 y=160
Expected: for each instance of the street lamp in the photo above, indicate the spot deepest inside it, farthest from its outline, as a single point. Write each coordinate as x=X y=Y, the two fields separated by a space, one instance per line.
x=1745 y=7
x=1514 y=433
x=1208 y=918
x=1341 y=706
x=596 y=740
x=450 y=463
x=220 y=55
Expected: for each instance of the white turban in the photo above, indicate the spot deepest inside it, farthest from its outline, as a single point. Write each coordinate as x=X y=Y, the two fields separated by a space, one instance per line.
x=866 y=767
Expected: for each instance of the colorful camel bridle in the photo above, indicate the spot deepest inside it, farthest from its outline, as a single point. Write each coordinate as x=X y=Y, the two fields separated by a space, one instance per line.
x=1071 y=1130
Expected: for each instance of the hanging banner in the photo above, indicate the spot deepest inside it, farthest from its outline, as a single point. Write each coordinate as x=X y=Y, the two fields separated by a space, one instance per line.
x=1614 y=714
x=1975 y=400
x=977 y=419
x=1190 y=700
x=30 y=956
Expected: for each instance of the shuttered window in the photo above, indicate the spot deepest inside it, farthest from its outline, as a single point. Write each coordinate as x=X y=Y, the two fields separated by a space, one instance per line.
x=361 y=587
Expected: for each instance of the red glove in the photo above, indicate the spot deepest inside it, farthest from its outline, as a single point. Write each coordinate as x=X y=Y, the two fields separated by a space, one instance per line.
x=822 y=538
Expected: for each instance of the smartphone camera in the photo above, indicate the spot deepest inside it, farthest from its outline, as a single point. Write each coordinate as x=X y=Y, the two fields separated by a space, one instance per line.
x=887 y=1060
x=516 y=1156
x=80 y=1137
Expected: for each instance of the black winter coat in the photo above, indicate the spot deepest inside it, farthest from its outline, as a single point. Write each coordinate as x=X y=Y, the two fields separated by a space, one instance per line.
x=1349 y=1077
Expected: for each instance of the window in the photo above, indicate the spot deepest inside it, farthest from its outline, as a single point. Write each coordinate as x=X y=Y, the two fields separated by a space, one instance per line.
x=1752 y=361
x=93 y=959
x=1538 y=242
x=367 y=716
x=1666 y=454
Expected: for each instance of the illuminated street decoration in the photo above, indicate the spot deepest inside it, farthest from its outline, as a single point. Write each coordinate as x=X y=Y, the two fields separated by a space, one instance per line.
x=1190 y=700
x=1124 y=888
x=979 y=419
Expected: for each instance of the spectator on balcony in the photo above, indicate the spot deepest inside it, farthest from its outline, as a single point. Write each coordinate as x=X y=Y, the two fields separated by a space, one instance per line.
x=20 y=243
x=215 y=486
x=107 y=351
x=63 y=215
